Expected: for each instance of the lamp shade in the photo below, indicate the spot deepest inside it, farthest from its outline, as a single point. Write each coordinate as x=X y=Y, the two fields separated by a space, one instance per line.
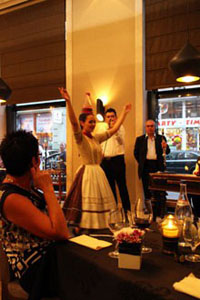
x=100 y=110
x=5 y=91
x=186 y=64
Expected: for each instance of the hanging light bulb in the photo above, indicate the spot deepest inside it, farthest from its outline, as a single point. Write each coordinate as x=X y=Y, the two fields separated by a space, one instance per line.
x=186 y=63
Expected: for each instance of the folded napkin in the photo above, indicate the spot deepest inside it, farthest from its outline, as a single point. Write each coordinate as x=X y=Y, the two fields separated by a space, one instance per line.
x=189 y=285
x=90 y=242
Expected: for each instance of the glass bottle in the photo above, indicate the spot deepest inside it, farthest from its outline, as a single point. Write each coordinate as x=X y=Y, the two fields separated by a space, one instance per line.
x=183 y=210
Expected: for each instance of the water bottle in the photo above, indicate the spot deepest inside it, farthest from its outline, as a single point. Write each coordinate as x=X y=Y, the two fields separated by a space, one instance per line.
x=183 y=210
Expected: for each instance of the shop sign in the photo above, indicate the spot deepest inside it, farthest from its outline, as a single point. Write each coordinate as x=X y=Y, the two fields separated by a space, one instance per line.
x=26 y=122
x=190 y=122
x=44 y=123
x=57 y=116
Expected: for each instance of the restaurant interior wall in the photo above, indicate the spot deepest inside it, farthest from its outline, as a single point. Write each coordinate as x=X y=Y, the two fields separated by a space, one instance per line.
x=105 y=58
x=32 y=49
x=11 y=5
x=166 y=32
x=32 y=52
x=2 y=121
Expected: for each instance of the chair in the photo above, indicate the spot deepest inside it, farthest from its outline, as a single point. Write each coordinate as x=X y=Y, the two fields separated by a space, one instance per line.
x=11 y=289
x=59 y=181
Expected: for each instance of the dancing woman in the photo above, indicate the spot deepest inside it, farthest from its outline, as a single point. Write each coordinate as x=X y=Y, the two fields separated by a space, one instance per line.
x=90 y=197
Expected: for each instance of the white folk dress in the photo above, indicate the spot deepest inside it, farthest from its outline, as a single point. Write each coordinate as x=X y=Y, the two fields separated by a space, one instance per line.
x=97 y=196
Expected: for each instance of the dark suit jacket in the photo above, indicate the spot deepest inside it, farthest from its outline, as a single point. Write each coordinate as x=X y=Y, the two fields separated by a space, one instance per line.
x=140 y=152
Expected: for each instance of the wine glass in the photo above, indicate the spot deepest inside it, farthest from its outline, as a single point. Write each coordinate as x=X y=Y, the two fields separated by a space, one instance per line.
x=143 y=218
x=190 y=235
x=116 y=221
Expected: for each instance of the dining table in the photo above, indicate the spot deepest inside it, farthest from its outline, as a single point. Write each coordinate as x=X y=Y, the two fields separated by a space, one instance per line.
x=92 y=274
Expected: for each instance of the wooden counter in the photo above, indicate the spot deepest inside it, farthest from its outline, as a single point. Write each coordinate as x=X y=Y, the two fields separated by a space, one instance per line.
x=164 y=181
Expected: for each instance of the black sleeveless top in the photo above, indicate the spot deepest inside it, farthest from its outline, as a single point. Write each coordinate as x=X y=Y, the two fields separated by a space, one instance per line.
x=21 y=247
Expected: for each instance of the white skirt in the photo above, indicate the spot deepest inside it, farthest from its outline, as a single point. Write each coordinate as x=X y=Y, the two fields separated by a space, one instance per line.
x=97 y=198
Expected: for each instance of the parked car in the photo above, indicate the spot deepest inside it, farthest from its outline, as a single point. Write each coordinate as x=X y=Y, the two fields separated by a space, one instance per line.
x=52 y=161
x=51 y=152
x=180 y=161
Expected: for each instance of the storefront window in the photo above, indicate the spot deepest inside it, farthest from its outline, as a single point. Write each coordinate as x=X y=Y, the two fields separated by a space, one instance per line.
x=179 y=121
x=192 y=109
x=49 y=126
x=170 y=110
x=47 y=121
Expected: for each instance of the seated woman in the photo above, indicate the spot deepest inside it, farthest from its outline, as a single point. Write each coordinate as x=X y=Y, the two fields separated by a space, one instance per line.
x=31 y=215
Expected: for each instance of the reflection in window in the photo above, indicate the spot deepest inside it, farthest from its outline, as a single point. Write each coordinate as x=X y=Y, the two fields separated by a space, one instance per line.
x=179 y=119
x=170 y=109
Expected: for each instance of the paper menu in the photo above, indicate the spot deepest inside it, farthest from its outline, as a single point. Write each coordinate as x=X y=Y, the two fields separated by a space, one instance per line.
x=90 y=242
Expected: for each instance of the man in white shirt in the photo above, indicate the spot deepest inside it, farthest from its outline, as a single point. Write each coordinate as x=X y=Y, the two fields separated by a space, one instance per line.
x=113 y=163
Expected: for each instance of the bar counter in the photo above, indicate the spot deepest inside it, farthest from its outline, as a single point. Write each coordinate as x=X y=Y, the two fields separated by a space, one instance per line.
x=163 y=181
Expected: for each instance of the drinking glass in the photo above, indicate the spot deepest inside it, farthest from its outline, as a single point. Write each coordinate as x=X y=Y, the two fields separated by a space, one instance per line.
x=190 y=235
x=116 y=221
x=143 y=218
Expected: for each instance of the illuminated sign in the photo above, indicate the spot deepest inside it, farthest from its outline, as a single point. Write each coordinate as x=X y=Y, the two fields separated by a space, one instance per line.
x=191 y=122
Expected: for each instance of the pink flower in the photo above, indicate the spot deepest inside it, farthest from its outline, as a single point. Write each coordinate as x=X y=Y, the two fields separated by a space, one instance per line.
x=129 y=235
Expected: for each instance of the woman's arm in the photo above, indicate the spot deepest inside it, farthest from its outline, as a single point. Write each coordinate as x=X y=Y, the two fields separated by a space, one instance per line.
x=120 y=119
x=73 y=120
x=20 y=210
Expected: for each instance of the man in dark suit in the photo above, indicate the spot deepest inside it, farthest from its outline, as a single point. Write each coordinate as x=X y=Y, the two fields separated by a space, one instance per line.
x=149 y=152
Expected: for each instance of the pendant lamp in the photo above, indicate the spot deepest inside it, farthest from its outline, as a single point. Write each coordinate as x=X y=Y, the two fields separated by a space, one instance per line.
x=186 y=63
x=5 y=91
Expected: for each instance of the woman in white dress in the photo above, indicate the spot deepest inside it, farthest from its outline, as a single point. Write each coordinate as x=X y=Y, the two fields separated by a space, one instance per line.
x=90 y=197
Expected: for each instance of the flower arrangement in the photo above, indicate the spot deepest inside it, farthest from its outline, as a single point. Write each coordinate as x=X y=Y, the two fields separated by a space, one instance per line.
x=130 y=245
x=129 y=235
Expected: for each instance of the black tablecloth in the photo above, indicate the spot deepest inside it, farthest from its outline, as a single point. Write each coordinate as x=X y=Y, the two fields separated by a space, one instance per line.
x=89 y=274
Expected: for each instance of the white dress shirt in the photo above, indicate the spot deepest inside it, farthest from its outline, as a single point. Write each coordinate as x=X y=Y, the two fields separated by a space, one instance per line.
x=115 y=145
x=151 y=148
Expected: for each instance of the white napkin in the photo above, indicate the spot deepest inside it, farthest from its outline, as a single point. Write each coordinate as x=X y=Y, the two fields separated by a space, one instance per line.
x=90 y=242
x=189 y=285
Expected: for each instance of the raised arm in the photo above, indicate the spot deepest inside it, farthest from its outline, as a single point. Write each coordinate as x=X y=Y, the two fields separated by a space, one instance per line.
x=120 y=120
x=73 y=119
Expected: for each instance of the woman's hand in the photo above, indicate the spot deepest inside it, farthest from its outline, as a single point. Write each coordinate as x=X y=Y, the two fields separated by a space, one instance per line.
x=64 y=94
x=41 y=179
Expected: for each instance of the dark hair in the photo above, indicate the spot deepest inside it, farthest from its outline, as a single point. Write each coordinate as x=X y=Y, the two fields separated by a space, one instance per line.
x=109 y=110
x=17 y=150
x=83 y=117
